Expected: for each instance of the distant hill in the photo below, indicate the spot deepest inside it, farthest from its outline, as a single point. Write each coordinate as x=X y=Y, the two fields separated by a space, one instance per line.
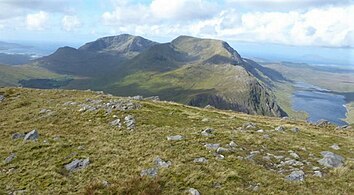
x=189 y=70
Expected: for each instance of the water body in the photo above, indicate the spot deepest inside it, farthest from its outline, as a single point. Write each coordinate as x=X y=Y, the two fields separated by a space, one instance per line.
x=319 y=103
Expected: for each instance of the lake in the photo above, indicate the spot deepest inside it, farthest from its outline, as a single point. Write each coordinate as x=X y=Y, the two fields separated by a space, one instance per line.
x=319 y=103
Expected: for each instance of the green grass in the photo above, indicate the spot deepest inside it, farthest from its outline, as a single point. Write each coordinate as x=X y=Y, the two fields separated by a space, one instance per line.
x=11 y=75
x=118 y=155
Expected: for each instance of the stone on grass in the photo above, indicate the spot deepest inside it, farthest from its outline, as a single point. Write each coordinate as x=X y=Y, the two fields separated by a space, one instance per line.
x=129 y=122
x=212 y=146
x=294 y=155
x=32 y=135
x=222 y=150
x=260 y=131
x=296 y=176
x=317 y=174
x=2 y=98
x=331 y=160
x=10 y=158
x=161 y=163
x=200 y=160
x=17 y=136
x=151 y=172
x=232 y=144
x=175 y=138
x=295 y=129
x=335 y=147
x=116 y=123
x=280 y=128
x=207 y=132
x=322 y=123
x=249 y=125
x=77 y=164
x=193 y=191
x=205 y=120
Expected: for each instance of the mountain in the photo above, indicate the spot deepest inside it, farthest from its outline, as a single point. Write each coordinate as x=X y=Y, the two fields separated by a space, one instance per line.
x=189 y=70
x=91 y=143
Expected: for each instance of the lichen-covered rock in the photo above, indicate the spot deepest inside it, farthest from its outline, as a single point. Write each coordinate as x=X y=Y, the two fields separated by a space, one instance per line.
x=151 y=172
x=129 y=122
x=161 y=163
x=200 y=160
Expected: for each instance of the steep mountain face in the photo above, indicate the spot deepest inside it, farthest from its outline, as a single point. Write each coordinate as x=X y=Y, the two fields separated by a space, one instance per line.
x=189 y=70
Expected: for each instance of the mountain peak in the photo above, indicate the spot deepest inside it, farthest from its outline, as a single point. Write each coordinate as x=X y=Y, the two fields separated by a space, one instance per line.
x=120 y=44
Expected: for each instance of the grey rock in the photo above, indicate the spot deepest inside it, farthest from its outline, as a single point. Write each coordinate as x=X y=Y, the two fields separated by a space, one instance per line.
x=322 y=123
x=317 y=174
x=252 y=155
x=151 y=172
x=161 y=163
x=2 y=98
x=219 y=156
x=232 y=144
x=200 y=160
x=294 y=155
x=77 y=164
x=209 y=107
x=86 y=107
x=175 y=138
x=116 y=123
x=295 y=129
x=335 y=147
x=193 y=191
x=43 y=111
x=292 y=162
x=266 y=136
x=212 y=146
x=331 y=160
x=205 y=120
x=129 y=122
x=32 y=135
x=280 y=128
x=207 y=132
x=153 y=98
x=344 y=127
x=249 y=125
x=138 y=97
x=260 y=131
x=10 y=158
x=296 y=176
x=222 y=150
x=80 y=147
x=17 y=136
x=56 y=138
x=316 y=168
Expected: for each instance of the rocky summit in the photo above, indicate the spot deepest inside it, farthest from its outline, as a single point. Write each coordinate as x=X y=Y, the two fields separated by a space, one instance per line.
x=96 y=143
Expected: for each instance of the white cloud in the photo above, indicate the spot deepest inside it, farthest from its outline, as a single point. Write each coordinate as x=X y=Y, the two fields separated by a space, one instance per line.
x=70 y=23
x=37 y=21
x=322 y=26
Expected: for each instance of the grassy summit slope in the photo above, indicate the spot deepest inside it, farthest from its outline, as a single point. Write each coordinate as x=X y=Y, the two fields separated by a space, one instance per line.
x=75 y=125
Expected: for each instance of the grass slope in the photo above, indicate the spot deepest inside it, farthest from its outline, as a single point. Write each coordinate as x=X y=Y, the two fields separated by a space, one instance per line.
x=11 y=75
x=119 y=155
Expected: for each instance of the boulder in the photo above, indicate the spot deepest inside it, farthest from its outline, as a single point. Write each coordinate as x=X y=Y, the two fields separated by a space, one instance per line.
x=207 y=132
x=151 y=172
x=77 y=164
x=260 y=131
x=294 y=155
x=317 y=174
x=2 y=98
x=32 y=135
x=10 y=158
x=232 y=144
x=200 y=160
x=161 y=163
x=193 y=191
x=296 y=176
x=222 y=150
x=331 y=160
x=129 y=122
x=175 y=138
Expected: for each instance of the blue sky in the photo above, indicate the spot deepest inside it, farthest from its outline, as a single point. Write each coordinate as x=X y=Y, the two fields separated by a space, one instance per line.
x=324 y=23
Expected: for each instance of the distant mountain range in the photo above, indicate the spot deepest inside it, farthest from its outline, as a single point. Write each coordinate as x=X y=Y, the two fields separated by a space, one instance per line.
x=189 y=70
